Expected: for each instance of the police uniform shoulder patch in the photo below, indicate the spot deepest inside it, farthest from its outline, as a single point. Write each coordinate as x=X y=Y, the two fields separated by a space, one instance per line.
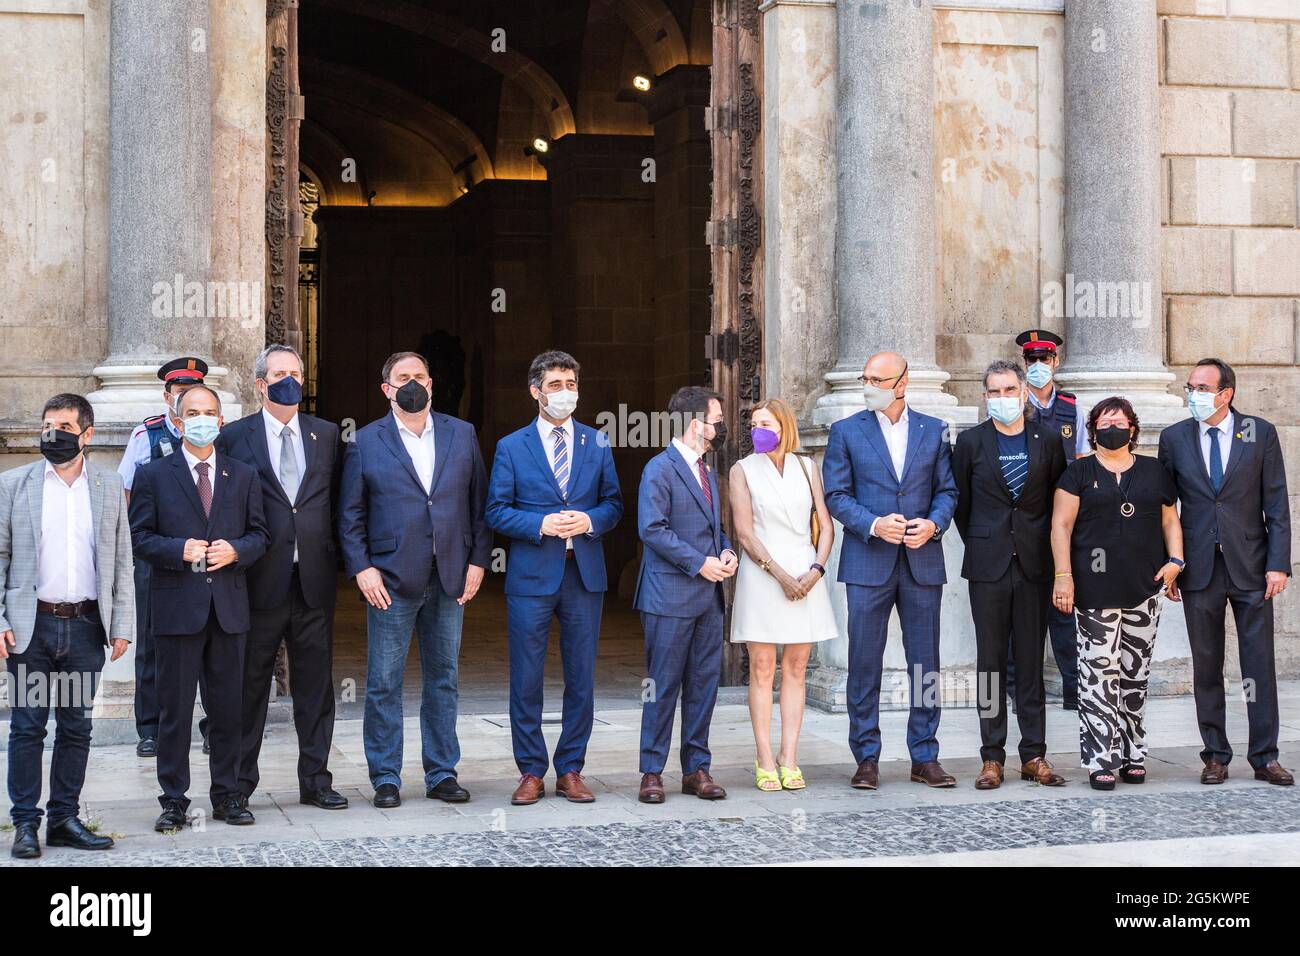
x=1068 y=397
x=1067 y=431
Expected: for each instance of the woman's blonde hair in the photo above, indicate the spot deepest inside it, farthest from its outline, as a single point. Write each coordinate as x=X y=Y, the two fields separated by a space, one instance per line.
x=789 y=425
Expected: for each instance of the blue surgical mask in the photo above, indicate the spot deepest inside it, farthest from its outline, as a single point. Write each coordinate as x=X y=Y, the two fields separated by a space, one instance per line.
x=1039 y=374
x=1005 y=410
x=201 y=430
x=286 y=391
x=1201 y=405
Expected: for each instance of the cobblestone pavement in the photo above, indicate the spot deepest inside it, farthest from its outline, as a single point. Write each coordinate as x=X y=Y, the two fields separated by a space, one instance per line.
x=791 y=838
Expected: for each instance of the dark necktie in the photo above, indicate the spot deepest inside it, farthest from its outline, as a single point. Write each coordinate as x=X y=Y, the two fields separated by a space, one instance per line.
x=1216 y=461
x=205 y=488
x=704 y=481
x=561 y=461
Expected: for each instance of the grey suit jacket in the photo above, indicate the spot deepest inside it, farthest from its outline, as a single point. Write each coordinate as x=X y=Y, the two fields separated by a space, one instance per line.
x=21 y=493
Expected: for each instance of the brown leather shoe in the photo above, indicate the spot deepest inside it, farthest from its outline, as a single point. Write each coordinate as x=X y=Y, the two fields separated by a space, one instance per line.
x=990 y=777
x=1274 y=773
x=867 y=777
x=531 y=789
x=652 y=788
x=571 y=787
x=702 y=785
x=1041 y=772
x=1214 y=772
x=932 y=775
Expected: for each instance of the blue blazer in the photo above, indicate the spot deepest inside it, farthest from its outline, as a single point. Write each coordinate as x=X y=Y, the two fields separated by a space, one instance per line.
x=388 y=521
x=165 y=512
x=858 y=475
x=679 y=530
x=523 y=491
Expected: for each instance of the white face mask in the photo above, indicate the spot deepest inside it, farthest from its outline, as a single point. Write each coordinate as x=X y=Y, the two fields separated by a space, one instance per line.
x=560 y=405
x=877 y=398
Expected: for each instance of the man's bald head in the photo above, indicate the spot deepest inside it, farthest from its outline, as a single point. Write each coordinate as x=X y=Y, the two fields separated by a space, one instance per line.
x=886 y=367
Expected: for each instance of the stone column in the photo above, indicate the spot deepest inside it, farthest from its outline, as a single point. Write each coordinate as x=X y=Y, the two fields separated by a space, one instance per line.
x=1111 y=298
x=884 y=239
x=159 y=202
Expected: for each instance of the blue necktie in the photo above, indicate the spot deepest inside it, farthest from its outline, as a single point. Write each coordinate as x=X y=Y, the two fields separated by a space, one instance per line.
x=1216 y=461
x=561 y=465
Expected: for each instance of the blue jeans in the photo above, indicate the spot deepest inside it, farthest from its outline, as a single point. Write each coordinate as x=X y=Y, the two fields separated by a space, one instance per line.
x=60 y=667
x=436 y=619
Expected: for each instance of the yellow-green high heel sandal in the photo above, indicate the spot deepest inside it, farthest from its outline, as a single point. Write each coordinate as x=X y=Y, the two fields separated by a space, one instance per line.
x=768 y=781
x=792 y=778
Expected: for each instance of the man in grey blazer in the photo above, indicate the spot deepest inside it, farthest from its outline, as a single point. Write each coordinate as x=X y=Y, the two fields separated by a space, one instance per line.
x=1236 y=518
x=66 y=590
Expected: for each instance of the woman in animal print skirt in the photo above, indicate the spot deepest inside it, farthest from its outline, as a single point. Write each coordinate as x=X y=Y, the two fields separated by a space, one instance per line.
x=1118 y=549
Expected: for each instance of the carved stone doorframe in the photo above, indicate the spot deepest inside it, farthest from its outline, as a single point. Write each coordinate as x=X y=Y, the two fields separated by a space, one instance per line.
x=735 y=343
x=284 y=113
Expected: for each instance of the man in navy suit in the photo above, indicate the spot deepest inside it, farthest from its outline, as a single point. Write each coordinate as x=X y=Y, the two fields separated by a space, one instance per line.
x=554 y=493
x=888 y=478
x=413 y=534
x=293 y=588
x=1236 y=519
x=679 y=593
x=197 y=519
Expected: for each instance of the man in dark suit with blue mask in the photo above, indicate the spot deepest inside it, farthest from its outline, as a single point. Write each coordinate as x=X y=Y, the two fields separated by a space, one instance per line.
x=554 y=493
x=413 y=535
x=888 y=478
x=679 y=593
x=196 y=517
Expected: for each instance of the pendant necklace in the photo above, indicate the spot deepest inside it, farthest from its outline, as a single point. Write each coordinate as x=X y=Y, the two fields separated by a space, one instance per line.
x=1126 y=509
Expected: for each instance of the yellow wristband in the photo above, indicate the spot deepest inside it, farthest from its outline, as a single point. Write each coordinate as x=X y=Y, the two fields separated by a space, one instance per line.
x=1065 y=574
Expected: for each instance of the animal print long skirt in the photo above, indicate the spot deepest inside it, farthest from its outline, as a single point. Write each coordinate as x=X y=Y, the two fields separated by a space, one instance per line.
x=1115 y=647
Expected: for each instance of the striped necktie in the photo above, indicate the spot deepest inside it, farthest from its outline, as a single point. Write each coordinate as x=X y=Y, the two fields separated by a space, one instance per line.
x=561 y=461
x=704 y=481
x=204 y=487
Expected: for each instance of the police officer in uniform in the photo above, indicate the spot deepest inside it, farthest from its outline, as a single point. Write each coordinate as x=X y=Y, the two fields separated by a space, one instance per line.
x=1062 y=412
x=156 y=437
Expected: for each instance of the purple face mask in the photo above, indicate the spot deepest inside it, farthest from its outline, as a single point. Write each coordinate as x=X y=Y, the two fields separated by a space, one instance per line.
x=765 y=440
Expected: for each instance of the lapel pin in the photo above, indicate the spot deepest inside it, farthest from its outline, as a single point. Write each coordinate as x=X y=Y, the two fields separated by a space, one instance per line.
x=582 y=440
x=224 y=473
x=313 y=435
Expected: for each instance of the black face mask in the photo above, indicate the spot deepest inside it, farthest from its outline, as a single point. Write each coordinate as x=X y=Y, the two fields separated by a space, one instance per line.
x=60 y=447
x=287 y=391
x=412 y=397
x=719 y=436
x=1113 y=438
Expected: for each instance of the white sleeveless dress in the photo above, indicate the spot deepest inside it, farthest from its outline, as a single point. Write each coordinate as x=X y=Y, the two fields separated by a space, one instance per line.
x=782 y=505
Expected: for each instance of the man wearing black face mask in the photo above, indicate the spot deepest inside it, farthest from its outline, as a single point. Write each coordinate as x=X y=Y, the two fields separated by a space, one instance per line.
x=66 y=591
x=292 y=589
x=412 y=527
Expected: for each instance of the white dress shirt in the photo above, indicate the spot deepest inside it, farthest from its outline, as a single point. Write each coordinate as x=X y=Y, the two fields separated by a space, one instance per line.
x=420 y=448
x=547 y=432
x=691 y=456
x=194 y=471
x=895 y=435
x=1223 y=431
x=65 y=562
x=275 y=448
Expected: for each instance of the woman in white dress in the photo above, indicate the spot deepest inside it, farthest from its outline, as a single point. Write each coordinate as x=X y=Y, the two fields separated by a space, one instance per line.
x=781 y=599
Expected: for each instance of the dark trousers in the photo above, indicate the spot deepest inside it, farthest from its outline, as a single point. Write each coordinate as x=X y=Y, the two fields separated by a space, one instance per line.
x=1065 y=651
x=216 y=656
x=60 y=669
x=918 y=612
x=683 y=658
x=1016 y=604
x=1206 y=615
x=146 y=667
x=529 y=617
x=308 y=636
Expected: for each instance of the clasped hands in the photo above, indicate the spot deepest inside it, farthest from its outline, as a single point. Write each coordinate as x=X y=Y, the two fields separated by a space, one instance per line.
x=566 y=524
x=896 y=529
x=210 y=556
x=719 y=569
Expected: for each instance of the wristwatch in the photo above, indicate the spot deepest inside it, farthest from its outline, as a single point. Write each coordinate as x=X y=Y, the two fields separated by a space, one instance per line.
x=1178 y=561
x=818 y=568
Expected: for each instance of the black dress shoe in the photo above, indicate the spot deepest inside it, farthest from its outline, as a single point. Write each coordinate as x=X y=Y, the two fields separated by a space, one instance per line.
x=172 y=817
x=26 y=845
x=73 y=833
x=448 y=790
x=234 y=811
x=387 y=797
x=1070 y=703
x=147 y=747
x=207 y=746
x=327 y=798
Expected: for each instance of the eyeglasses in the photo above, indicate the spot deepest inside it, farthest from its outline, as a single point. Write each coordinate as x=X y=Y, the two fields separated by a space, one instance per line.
x=880 y=382
x=1203 y=389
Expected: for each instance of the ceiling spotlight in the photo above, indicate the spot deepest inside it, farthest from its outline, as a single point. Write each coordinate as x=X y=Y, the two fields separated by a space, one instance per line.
x=541 y=145
x=641 y=83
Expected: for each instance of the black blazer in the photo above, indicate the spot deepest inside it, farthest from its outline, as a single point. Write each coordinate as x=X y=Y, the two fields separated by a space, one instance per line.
x=165 y=512
x=1251 y=509
x=309 y=519
x=993 y=525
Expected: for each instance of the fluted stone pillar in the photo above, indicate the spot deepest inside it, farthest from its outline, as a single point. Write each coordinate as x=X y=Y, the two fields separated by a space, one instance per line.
x=1115 y=333
x=884 y=241
x=159 y=202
